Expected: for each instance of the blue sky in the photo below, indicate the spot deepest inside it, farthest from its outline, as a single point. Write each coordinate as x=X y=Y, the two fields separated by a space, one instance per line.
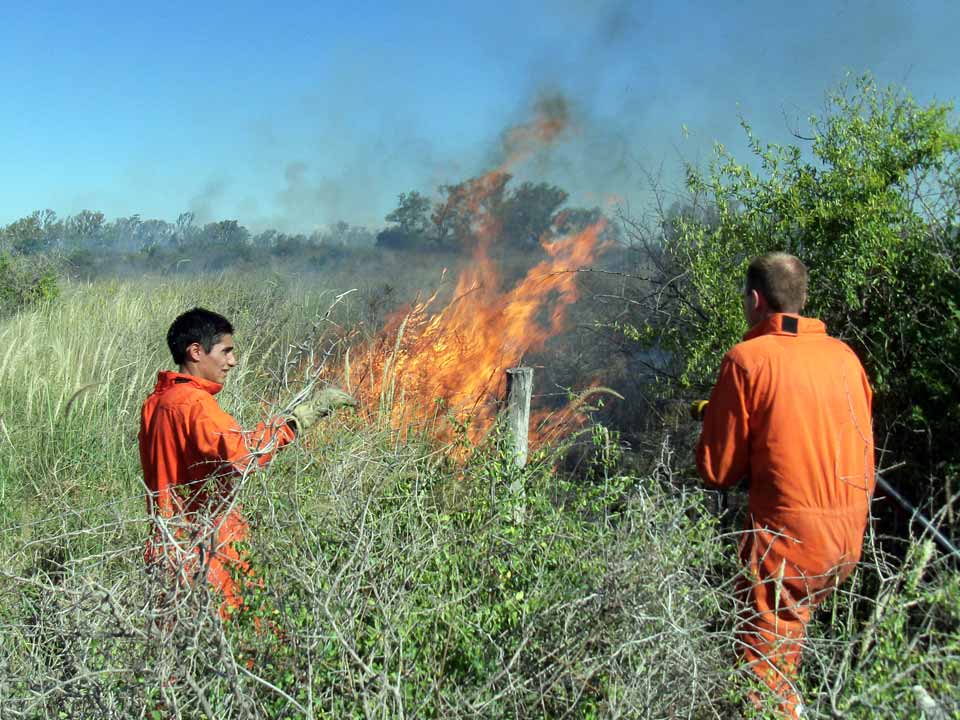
x=302 y=114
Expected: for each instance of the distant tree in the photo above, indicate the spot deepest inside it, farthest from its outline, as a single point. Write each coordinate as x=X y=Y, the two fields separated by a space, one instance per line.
x=155 y=234
x=412 y=214
x=289 y=245
x=528 y=212
x=51 y=227
x=228 y=234
x=24 y=235
x=122 y=233
x=86 y=229
x=266 y=239
x=411 y=223
x=394 y=238
x=479 y=208
x=358 y=236
x=25 y=281
x=470 y=210
x=185 y=232
x=38 y=232
x=574 y=220
x=346 y=235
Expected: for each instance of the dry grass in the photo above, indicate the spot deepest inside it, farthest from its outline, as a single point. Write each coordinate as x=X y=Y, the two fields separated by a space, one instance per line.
x=390 y=581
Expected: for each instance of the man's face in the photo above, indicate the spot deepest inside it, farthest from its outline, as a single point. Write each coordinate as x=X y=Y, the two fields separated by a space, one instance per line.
x=215 y=365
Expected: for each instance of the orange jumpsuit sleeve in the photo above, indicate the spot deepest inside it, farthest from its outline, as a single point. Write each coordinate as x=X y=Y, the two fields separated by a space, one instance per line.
x=723 y=452
x=220 y=441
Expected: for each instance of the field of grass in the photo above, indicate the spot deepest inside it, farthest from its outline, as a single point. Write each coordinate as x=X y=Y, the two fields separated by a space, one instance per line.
x=391 y=580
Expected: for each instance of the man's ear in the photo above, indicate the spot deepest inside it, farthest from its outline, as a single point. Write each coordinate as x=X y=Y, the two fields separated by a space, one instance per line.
x=761 y=302
x=193 y=352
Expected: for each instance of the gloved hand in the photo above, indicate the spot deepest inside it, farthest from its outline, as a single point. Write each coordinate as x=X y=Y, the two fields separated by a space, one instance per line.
x=698 y=408
x=321 y=404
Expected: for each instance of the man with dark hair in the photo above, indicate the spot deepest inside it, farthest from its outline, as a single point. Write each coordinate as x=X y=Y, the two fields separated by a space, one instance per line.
x=197 y=325
x=192 y=454
x=791 y=413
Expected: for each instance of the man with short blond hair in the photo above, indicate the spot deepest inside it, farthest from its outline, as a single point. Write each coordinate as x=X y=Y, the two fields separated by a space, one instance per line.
x=781 y=279
x=791 y=413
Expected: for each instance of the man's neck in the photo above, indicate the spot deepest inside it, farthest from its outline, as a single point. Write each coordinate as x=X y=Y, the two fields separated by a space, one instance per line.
x=186 y=370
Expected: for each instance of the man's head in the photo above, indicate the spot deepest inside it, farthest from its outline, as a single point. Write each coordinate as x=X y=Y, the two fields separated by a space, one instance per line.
x=776 y=283
x=201 y=342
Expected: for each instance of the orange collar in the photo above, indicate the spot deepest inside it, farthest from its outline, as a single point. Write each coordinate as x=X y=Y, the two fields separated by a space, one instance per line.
x=786 y=324
x=166 y=379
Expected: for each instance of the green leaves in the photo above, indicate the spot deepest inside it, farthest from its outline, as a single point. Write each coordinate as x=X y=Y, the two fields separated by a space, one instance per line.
x=870 y=204
x=25 y=282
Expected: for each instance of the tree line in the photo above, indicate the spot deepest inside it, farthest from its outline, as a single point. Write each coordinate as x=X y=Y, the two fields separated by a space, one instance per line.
x=521 y=215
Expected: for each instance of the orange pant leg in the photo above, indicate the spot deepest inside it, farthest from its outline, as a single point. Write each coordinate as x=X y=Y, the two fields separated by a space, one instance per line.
x=793 y=560
x=779 y=595
x=226 y=562
x=772 y=629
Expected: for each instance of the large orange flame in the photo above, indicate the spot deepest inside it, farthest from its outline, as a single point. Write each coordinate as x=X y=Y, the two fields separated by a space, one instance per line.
x=440 y=369
x=446 y=367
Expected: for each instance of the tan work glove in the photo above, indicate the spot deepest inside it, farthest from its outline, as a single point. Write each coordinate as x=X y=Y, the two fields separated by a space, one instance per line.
x=698 y=408
x=320 y=405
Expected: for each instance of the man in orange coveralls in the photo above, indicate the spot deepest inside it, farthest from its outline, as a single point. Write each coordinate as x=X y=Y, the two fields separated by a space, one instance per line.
x=192 y=453
x=791 y=412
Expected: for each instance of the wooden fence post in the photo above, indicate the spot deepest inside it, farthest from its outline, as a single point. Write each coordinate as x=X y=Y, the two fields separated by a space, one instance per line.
x=519 y=391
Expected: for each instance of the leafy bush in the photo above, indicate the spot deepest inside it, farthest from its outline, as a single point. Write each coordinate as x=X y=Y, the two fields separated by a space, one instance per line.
x=441 y=601
x=871 y=206
x=26 y=281
x=385 y=581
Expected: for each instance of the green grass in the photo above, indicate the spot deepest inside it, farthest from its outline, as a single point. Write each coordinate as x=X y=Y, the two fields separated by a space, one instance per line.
x=392 y=580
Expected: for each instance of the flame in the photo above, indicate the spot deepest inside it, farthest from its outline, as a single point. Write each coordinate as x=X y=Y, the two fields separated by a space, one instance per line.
x=453 y=360
x=442 y=370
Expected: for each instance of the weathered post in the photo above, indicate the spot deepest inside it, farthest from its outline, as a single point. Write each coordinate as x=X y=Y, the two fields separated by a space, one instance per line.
x=519 y=391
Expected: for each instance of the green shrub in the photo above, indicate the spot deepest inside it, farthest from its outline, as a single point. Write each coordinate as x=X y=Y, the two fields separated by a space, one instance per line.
x=26 y=281
x=439 y=595
x=870 y=205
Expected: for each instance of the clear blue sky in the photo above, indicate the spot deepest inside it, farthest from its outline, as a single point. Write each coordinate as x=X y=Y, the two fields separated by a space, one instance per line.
x=307 y=113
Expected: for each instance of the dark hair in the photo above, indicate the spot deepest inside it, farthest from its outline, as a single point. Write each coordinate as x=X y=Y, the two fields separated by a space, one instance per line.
x=196 y=326
x=781 y=279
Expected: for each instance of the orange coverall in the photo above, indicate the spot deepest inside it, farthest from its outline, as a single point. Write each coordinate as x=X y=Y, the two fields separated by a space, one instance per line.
x=192 y=452
x=791 y=411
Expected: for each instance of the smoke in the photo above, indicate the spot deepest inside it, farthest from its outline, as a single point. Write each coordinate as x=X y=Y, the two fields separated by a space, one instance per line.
x=646 y=87
x=569 y=144
x=551 y=119
x=205 y=205
x=370 y=140
x=352 y=174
